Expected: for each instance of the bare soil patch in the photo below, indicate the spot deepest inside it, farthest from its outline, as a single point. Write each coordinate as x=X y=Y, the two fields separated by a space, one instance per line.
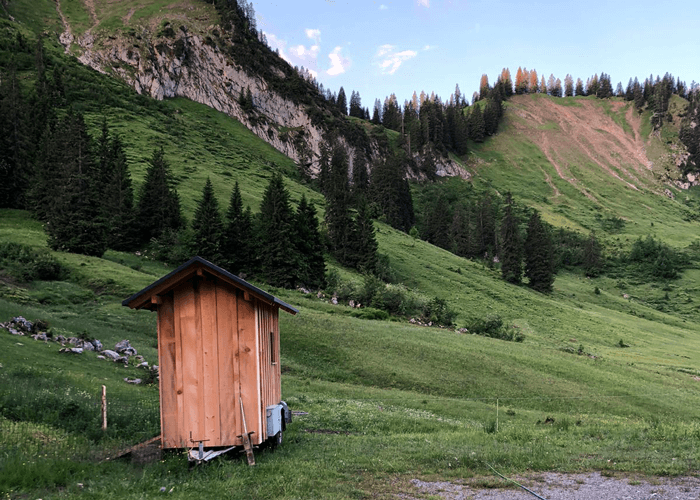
x=557 y=486
x=571 y=135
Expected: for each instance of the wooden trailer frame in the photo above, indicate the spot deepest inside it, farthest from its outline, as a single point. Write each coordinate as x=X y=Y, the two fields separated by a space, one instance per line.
x=218 y=353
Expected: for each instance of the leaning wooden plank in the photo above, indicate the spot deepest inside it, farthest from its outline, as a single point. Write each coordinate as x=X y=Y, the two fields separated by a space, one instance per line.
x=131 y=449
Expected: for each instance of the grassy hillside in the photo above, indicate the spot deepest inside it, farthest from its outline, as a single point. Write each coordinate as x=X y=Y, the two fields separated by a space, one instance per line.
x=605 y=381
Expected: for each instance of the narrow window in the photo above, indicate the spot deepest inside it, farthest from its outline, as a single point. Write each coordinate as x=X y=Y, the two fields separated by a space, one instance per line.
x=273 y=353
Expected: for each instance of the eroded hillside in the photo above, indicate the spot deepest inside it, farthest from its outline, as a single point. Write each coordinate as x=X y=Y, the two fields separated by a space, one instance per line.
x=590 y=164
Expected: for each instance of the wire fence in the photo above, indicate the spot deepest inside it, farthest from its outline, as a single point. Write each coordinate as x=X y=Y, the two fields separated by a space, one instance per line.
x=70 y=424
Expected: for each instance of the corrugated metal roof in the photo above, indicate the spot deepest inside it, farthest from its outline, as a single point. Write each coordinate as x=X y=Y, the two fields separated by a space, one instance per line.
x=142 y=299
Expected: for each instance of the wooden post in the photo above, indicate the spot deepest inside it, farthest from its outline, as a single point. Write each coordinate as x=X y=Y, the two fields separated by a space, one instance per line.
x=104 y=407
x=496 y=415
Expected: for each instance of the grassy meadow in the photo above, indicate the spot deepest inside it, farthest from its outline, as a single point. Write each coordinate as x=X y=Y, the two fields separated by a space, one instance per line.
x=606 y=380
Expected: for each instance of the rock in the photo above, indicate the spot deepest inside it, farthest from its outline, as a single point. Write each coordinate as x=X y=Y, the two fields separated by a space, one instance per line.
x=139 y=359
x=101 y=357
x=72 y=350
x=15 y=332
x=143 y=365
x=40 y=336
x=129 y=351
x=351 y=303
x=60 y=339
x=73 y=340
x=88 y=346
x=334 y=301
x=122 y=359
x=133 y=380
x=97 y=344
x=122 y=346
x=110 y=354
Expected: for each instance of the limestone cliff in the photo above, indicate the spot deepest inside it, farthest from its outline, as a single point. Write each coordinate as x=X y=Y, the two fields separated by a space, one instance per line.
x=185 y=63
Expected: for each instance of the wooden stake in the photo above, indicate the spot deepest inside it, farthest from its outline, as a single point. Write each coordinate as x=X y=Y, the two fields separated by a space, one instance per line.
x=496 y=414
x=104 y=407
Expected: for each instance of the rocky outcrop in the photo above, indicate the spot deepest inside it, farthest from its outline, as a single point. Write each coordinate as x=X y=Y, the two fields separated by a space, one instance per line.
x=190 y=65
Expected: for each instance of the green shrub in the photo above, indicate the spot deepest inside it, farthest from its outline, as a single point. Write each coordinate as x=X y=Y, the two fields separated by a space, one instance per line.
x=438 y=311
x=27 y=263
x=493 y=326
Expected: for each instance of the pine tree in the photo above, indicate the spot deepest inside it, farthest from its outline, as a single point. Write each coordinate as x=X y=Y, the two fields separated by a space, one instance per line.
x=533 y=82
x=511 y=246
x=207 y=227
x=477 y=127
x=237 y=237
x=159 y=204
x=592 y=257
x=539 y=255
x=485 y=227
x=580 y=91
x=118 y=199
x=484 y=87
x=360 y=176
x=356 y=105
x=14 y=142
x=520 y=82
x=342 y=101
x=362 y=241
x=74 y=219
x=436 y=227
x=338 y=216
x=568 y=86
x=461 y=231
x=312 y=267
x=279 y=260
x=391 y=192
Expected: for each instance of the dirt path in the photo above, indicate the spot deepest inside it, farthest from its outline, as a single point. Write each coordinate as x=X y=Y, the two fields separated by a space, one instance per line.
x=555 y=486
x=90 y=5
x=127 y=17
x=66 y=38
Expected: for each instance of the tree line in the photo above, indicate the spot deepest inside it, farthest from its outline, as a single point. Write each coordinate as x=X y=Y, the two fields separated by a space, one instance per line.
x=500 y=232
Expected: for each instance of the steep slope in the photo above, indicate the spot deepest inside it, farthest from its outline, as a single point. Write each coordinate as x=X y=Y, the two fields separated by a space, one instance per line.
x=590 y=164
x=178 y=49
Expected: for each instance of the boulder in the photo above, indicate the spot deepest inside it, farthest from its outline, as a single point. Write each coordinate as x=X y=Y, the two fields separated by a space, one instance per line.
x=122 y=346
x=97 y=344
x=110 y=354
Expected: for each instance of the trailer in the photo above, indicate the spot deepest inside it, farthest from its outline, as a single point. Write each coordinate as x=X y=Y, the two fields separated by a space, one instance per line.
x=219 y=360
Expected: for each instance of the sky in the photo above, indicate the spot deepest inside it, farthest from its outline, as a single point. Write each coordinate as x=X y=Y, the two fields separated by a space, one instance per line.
x=382 y=47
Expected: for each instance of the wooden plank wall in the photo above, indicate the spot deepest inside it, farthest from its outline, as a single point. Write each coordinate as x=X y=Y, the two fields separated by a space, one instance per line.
x=249 y=367
x=214 y=347
x=167 y=368
x=229 y=376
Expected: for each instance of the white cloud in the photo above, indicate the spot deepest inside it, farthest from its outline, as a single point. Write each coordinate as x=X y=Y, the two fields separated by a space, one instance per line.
x=338 y=63
x=383 y=7
x=424 y=3
x=389 y=59
x=429 y=47
x=313 y=34
x=279 y=44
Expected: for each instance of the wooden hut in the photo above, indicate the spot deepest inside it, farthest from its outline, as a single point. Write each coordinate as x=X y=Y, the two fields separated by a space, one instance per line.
x=218 y=352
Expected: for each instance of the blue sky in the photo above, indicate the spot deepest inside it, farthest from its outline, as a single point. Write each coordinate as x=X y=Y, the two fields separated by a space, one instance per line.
x=383 y=47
